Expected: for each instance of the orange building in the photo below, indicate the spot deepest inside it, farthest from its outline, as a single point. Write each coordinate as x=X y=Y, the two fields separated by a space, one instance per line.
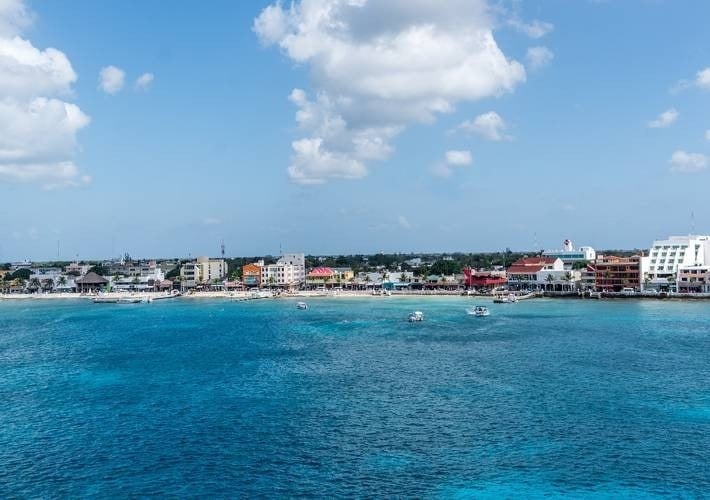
x=612 y=273
x=251 y=275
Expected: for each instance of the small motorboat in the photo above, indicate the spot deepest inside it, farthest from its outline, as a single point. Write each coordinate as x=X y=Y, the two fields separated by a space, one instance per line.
x=301 y=305
x=511 y=298
x=478 y=311
x=416 y=316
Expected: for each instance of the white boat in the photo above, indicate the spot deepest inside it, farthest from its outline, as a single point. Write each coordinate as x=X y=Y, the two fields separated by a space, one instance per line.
x=416 y=316
x=478 y=311
x=508 y=299
x=301 y=305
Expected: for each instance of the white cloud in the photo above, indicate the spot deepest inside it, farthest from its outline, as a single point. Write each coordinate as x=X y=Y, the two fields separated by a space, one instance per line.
x=488 y=125
x=701 y=81
x=458 y=158
x=538 y=57
x=145 y=80
x=37 y=126
x=533 y=29
x=314 y=165
x=378 y=66
x=452 y=159
x=682 y=161
x=26 y=71
x=111 y=79
x=665 y=119
x=14 y=16
x=707 y=135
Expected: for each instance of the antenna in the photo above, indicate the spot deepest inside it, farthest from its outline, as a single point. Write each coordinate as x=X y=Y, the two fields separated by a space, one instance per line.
x=222 y=248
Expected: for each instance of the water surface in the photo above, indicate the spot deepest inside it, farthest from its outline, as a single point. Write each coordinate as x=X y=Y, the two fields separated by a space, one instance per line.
x=222 y=399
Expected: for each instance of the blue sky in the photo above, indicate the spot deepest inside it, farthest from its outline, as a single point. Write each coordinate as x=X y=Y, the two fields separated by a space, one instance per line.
x=571 y=144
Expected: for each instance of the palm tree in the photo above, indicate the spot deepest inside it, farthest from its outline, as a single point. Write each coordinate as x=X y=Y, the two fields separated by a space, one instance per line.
x=48 y=285
x=34 y=284
x=62 y=280
x=550 y=278
x=569 y=278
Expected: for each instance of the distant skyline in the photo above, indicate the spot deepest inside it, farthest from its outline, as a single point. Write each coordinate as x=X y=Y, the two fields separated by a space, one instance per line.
x=350 y=126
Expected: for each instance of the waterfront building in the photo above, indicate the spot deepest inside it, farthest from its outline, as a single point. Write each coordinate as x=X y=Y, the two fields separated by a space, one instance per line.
x=398 y=280
x=570 y=256
x=612 y=273
x=540 y=273
x=483 y=279
x=251 y=274
x=669 y=255
x=694 y=279
x=288 y=272
x=147 y=279
x=203 y=271
x=91 y=282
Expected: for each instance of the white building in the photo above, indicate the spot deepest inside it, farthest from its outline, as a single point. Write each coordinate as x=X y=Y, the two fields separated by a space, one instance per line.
x=570 y=256
x=541 y=273
x=668 y=256
x=289 y=271
x=142 y=281
x=202 y=271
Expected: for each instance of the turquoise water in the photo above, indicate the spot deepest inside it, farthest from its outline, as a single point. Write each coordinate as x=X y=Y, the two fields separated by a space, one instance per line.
x=185 y=398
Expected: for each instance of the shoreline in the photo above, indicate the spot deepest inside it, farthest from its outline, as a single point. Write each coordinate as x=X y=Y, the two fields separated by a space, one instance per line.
x=237 y=296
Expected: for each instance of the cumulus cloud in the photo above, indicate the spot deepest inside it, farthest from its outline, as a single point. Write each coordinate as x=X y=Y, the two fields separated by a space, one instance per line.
x=144 y=81
x=378 y=66
x=665 y=119
x=488 y=125
x=458 y=158
x=701 y=81
x=14 y=16
x=37 y=126
x=684 y=162
x=538 y=57
x=111 y=79
x=452 y=159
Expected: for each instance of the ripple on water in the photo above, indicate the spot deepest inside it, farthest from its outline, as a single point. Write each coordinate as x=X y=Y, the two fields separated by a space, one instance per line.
x=582 y=399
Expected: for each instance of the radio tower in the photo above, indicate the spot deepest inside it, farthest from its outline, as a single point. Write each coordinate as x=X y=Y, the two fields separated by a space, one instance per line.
x=222 y=248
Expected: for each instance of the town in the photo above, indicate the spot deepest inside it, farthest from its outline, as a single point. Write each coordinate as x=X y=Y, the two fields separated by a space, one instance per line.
x=675 y=265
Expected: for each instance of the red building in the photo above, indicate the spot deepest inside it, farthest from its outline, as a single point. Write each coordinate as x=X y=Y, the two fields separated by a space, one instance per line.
x=482 y=279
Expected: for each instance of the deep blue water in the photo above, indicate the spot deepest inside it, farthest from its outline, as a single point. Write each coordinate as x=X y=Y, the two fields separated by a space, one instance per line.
x=213 y=398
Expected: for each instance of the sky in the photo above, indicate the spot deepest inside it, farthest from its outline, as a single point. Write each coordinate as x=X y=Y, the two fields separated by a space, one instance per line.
x=350 y=126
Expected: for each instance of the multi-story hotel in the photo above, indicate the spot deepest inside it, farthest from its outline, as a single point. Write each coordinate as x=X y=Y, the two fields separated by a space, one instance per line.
x=669 y=255
x=289 y=271
x=204 y=270
x=612 y=273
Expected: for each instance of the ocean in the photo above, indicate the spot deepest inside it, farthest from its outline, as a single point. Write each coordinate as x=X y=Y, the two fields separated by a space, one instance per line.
x=212 y=398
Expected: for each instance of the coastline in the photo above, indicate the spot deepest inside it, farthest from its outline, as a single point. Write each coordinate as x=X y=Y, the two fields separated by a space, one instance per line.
x=243 y=295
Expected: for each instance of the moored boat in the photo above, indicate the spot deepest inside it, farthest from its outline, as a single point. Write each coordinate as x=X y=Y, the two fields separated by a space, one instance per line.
x=416 y=316
x=478 y=311
x=511 y=298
